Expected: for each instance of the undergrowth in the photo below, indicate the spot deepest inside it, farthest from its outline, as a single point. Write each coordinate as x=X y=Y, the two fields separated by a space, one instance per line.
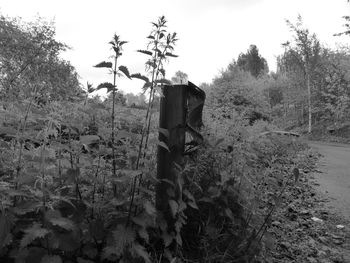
x=78 y=179
x=60 y=202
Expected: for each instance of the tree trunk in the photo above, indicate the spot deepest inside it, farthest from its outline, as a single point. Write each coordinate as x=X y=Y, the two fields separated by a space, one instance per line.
x=309 y=99
x=298 y=113
x=302 y=114
x=285 y=115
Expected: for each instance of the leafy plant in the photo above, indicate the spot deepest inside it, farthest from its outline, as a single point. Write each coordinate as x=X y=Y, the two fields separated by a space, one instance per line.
x=159 y=50
x=117 y=47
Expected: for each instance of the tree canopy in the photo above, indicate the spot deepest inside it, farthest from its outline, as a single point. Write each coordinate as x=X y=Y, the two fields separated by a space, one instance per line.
x=252 y=62
x=179 y=78
x=30 y=62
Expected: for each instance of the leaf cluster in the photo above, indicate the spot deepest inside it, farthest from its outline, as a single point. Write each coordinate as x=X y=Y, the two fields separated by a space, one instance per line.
x=117 y=47
x=160 y=48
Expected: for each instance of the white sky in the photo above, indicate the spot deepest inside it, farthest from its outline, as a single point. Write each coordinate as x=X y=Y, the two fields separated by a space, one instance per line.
x=211 y=32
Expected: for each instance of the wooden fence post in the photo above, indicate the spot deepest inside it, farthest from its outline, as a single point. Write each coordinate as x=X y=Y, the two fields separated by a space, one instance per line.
x=172 y=123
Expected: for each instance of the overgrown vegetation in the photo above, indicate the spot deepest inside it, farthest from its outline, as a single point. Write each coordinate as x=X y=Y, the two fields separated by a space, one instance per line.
x=78 y=174
x=315 y=83
x=309 y=92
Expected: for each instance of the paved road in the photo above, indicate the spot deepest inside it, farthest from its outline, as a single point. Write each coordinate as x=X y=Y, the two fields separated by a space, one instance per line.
x=334 y=178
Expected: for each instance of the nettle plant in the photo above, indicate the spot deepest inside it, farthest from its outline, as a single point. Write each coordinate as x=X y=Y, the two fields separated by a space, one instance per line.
x=117 y=47
x=159 y=49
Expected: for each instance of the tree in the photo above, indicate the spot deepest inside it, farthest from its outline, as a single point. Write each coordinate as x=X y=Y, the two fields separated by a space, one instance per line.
x=138 y=100
x=237 y=90
x=291 y=80
x=333 y=82
x=346 y=25
x=252 y=62
x=305 y=54
x=274 y=90
x=329 y=85
x=179 y=78
x=30 y=62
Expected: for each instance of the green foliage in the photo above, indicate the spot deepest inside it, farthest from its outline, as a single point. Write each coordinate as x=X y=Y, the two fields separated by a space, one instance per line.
x=160 y=44
x=232 y=189
x=120 y=98
x=333 y=84
x=179 y=78
x=306 y=53
x=139 y=76
x=159 y=48
x=312 y=80
x=125 y=71
x=107 y=85
x=146 y=52
x=303 y=54
x=67 y=169
x=346 y=25
x=32 y=233
x=30 y=63
x=237 y=93
x=78 y=177
x=104 y=64
x=117 y=46
x=136 y=101
x=253 y=62
x=65 y=185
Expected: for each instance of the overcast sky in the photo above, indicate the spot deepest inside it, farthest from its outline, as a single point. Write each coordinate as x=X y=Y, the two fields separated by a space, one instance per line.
x=211 y=32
